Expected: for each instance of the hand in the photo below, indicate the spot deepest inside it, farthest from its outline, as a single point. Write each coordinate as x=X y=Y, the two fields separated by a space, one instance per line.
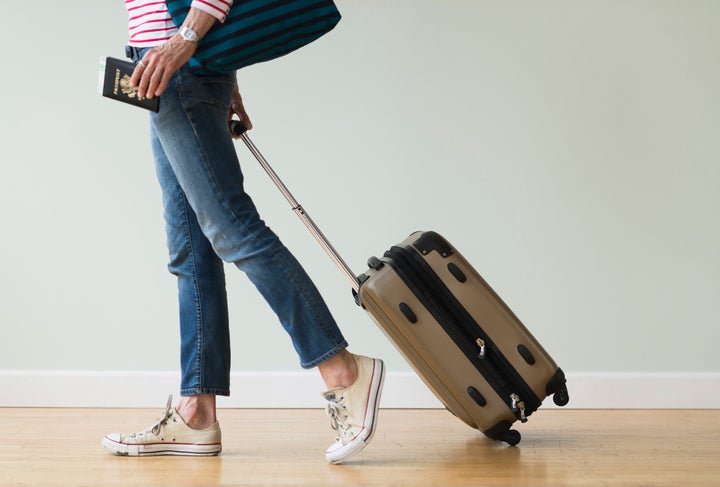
x=152 y=74
x=237 y=108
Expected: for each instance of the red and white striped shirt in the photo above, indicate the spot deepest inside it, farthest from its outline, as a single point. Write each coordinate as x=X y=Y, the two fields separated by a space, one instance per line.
x=149 y=23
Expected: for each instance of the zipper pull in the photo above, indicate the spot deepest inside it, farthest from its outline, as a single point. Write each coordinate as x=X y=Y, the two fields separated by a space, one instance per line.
x=518 y=407
x=481 y=343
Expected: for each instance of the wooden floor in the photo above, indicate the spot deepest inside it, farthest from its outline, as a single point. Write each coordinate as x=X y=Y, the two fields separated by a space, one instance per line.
x=61 y=447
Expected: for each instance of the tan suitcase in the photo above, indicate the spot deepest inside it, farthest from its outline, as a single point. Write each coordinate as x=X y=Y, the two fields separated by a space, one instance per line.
x=459 y=336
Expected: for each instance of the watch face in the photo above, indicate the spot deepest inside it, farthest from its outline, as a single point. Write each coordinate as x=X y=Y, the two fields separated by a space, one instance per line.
x=188 y=34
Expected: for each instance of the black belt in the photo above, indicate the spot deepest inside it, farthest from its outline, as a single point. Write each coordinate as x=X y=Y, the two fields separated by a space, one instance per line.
x=133 y=53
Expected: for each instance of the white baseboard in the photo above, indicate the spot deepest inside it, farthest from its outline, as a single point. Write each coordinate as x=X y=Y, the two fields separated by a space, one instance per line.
x=302 y=390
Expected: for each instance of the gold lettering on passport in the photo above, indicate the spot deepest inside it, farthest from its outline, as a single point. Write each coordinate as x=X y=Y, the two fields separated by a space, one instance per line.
x=117 y=80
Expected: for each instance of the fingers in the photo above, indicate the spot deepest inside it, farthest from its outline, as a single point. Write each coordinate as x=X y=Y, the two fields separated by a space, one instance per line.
x=150 y=78
x=238 y=108
x=137 y=73
x=153 y=72
x=242 y=116
x=246 y=123
x=143 y=78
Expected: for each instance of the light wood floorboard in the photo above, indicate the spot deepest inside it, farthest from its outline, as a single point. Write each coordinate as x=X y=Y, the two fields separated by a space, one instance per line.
x=61 y=447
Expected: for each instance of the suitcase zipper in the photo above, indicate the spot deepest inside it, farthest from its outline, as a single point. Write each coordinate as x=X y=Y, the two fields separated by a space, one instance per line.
x=497 y=370
x=518 y=407
x=481 y=343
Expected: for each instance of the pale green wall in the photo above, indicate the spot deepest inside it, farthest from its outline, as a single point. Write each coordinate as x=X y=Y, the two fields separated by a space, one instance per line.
x=570 y=149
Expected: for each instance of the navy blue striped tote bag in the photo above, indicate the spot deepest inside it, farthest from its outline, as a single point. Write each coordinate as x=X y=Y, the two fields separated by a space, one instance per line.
x=257 y=30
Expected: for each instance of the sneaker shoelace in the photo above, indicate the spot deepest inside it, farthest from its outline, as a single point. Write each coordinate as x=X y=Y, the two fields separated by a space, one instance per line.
x=339 y=419
x=156 y=427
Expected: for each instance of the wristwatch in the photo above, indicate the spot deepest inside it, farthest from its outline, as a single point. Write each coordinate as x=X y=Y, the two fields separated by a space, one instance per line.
x=188 y=34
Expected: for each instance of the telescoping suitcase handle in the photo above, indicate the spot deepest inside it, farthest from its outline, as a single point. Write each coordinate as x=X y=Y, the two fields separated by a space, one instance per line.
x=238 y=129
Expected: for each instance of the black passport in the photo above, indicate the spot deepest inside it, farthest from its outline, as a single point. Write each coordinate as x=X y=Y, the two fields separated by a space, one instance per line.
x=114 y=82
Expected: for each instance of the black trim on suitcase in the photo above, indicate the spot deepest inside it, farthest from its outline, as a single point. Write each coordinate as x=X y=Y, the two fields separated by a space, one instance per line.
x=430 y=241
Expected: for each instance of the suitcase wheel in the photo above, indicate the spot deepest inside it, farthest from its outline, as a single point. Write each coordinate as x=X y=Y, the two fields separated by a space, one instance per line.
x=512 y=437
x=502 y=432
x=557 y=387
x=561 y=397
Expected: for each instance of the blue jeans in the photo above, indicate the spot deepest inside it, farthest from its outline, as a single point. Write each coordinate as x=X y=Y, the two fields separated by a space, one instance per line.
x=210 y=219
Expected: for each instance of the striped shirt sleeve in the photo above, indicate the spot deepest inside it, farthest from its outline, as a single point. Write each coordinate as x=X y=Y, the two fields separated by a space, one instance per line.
x=217 y=8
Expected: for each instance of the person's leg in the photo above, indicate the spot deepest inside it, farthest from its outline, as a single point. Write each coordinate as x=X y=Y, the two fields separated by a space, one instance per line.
x=339 y=371
x=204 y=327
x=199 y=411
x=191 y=428
x=192 y=129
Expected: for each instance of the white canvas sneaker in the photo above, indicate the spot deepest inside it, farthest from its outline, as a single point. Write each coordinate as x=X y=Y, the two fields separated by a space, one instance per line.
x=353 y=410
x=168 y=436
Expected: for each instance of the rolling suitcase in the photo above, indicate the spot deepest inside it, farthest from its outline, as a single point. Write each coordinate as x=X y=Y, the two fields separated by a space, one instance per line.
x=458 y=335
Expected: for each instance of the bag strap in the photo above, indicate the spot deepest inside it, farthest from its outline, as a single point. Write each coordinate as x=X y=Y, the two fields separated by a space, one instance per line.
x=238 y=129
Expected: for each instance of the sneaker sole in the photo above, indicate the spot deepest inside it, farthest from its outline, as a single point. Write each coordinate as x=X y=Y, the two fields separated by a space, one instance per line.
x=157 y=449
x=371 y=415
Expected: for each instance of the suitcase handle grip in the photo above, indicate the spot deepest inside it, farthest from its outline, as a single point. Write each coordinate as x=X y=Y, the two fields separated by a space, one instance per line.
x=237 y=128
